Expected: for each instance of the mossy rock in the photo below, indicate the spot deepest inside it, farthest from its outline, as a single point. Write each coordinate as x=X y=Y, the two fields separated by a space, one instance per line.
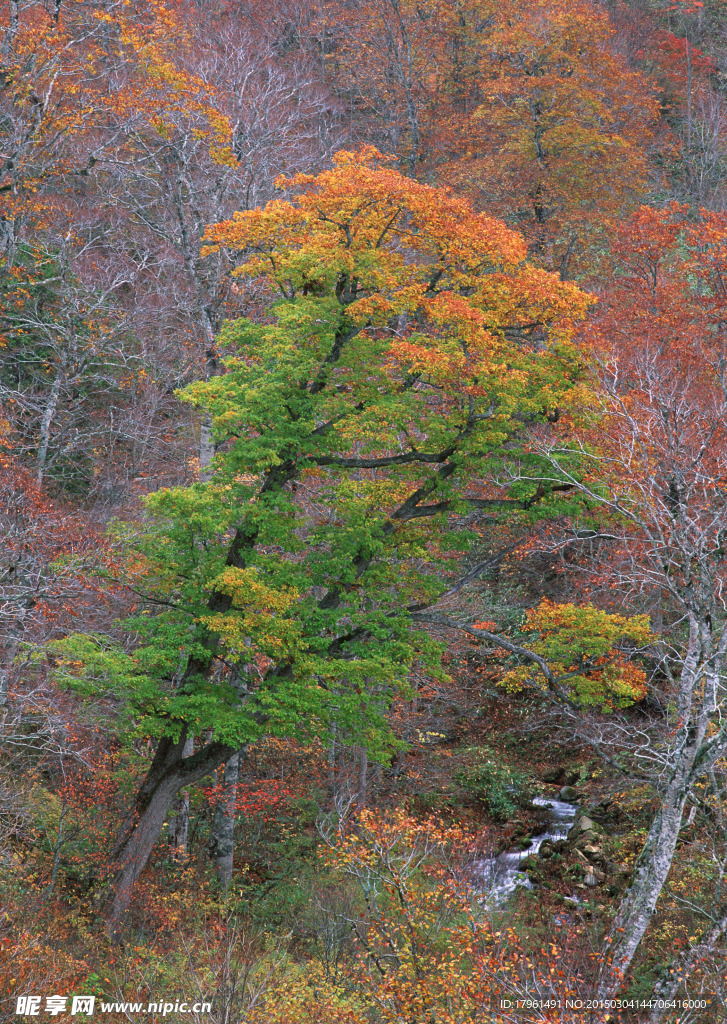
x=584 y=824
x=569 y=794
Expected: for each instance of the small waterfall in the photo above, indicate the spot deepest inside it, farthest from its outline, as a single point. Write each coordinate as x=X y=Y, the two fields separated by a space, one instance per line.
x=500 y=874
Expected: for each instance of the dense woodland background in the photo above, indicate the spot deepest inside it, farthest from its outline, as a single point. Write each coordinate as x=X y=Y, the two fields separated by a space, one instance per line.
x=363 y=475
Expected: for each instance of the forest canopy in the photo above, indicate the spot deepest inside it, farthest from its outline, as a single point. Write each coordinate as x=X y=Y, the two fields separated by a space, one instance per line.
x=363 y=462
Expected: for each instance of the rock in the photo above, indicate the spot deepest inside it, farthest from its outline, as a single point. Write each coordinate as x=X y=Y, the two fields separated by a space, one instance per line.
x=554 y=775
x=590 y=848
x=528 y=864
x=594 y=877
x=546 y=850
x=586 y=839
x=568 y=794
x=583 y=825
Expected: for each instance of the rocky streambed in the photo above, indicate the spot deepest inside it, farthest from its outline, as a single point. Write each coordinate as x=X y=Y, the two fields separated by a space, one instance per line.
x=500 y=875
x=569 y=849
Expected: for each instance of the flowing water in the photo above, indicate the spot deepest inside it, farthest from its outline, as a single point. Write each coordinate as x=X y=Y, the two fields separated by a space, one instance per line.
x=500 y=874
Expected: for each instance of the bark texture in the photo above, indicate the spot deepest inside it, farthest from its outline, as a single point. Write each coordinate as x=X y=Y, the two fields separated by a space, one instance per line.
x=650 y=874
x=363 y=768
x=222 y=839
x=170 y=771
x=179 y=822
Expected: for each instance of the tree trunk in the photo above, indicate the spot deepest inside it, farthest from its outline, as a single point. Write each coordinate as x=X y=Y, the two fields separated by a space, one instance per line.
x=688 y=161
x=4 y=684
x=222 y=840
x=179 y=823
x=8 y=44
x=206 y=433
x=650 y=873
x=45 y=425
x=169 y=772
x=363 y=768
x=331 y=763
x=206 y=448
x=6 y=667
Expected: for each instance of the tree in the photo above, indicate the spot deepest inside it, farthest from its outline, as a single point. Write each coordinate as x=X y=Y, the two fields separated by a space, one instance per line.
x=71 y=363
x=48 y=562
x=390 y=56
x=408 y=341
x=67 y=363
x=425 y=950
x=652 y=470
x=691 y=104
x=205 y=138
x=580 y=646
x=558 y=145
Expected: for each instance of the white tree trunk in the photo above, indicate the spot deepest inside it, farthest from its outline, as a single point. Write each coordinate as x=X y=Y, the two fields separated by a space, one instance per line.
x=222 y=839
x=650 y=873
x=179 y=823
x=45 y=425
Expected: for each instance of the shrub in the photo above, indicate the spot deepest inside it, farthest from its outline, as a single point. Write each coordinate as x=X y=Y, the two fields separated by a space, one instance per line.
x=499 y=786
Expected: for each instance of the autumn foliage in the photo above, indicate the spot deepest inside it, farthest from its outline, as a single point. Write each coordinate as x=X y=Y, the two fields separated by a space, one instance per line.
x=362 y=493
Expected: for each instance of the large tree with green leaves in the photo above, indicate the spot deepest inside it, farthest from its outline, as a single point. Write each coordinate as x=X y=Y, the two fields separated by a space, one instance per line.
x=405 y=345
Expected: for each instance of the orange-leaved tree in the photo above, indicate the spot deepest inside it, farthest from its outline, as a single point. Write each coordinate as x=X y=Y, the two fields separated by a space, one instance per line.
x=581 y=647
x=424 y=947
x=559 y=143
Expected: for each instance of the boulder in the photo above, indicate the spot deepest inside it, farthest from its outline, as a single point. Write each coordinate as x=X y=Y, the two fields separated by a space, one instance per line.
x=568 y=794
x=588 y=836
x=584 y=830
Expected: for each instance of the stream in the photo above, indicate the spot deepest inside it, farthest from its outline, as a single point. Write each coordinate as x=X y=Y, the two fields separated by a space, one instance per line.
x=500 y=874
